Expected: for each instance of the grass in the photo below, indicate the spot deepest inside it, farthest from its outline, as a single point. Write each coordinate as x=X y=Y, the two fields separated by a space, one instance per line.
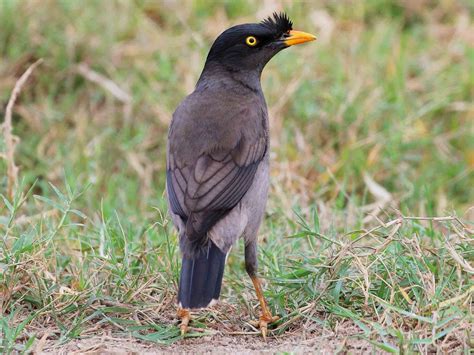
x=377 y=113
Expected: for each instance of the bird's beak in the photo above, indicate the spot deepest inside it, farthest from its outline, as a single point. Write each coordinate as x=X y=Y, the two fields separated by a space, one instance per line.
x=298 y=37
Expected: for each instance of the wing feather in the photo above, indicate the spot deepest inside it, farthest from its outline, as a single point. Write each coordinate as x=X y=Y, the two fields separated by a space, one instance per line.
x=213 y=185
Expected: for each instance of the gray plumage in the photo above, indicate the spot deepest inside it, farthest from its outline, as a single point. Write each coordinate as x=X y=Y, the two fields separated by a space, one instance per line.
x=218 y=145
x=217 y=157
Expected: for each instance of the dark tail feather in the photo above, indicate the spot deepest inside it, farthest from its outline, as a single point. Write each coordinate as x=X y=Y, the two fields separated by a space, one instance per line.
x=201 y=278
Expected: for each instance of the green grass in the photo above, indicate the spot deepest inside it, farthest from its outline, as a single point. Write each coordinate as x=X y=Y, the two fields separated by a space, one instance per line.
x=386 y=94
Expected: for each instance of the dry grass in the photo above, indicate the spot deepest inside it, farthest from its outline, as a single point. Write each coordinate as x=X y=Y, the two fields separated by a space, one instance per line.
x=10 y=140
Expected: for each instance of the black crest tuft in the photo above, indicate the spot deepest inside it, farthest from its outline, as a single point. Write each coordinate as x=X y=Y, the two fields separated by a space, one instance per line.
x=280 y=23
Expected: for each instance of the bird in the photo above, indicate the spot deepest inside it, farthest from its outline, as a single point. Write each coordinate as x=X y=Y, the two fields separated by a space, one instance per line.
x=217 y=168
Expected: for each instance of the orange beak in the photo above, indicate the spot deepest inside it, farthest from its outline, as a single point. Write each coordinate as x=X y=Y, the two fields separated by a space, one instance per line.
x=298 y=37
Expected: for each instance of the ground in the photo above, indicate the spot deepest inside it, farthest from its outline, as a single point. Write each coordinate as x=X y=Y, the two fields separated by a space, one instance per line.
x=330 y=343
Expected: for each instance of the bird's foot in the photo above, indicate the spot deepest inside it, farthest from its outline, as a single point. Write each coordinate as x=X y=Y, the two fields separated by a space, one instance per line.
x=185 y=317
x=263 y=323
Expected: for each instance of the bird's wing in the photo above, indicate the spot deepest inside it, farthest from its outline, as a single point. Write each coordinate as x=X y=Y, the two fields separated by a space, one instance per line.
x=204 y=192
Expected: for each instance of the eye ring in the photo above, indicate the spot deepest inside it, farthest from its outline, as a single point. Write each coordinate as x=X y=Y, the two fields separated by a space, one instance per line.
x=251 y=41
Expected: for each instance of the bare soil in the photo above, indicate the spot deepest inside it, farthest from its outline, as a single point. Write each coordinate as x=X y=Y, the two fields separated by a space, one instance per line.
x=299 y=343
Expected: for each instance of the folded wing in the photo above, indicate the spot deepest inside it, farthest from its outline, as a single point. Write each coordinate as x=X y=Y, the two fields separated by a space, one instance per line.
x=203 y=193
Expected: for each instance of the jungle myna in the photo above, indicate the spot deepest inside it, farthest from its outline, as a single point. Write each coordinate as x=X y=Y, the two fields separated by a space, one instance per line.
x=218 y=161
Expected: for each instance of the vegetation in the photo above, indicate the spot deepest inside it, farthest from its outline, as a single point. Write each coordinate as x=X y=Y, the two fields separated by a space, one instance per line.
x=370 y=222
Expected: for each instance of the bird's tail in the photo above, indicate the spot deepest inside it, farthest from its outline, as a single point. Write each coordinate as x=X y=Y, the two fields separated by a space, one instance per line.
x=201 y=278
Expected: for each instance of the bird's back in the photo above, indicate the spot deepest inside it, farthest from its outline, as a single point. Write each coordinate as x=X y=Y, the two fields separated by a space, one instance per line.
x=208 y=119
x=216 y=141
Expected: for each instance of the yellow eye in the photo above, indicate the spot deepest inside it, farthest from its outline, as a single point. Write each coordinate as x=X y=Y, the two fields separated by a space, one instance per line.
x=251 y=41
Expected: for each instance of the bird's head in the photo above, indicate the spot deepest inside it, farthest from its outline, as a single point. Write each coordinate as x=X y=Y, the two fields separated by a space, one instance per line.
x=250 y=46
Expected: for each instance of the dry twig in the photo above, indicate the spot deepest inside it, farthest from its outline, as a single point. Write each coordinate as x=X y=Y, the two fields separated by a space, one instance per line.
x=109 y=85
x=10 y=140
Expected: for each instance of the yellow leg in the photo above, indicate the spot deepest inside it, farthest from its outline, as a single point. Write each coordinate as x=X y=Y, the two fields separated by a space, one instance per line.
x=185 y=317
x=266 y=317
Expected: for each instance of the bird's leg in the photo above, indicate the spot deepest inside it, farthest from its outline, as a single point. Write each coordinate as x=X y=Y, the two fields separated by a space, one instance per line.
x=185 y=316
x=266 y=316
x=251 y=267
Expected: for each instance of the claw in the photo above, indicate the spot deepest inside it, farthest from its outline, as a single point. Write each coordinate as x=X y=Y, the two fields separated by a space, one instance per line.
x=185 y=318
x=184 y=327
x=263 y=329
x=254 y=323
x=263 y=324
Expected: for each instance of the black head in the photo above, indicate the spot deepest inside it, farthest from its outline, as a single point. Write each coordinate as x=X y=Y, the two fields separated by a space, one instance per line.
x=250 y=46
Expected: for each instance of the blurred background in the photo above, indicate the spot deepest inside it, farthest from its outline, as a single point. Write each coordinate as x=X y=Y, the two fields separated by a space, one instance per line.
x=386 y=93
x=375 y=117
